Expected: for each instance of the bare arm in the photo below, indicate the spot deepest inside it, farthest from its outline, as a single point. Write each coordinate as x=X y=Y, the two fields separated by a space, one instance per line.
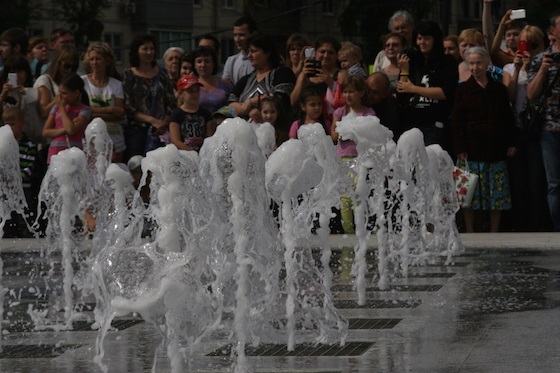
x=110 y=113
x=175 y=135
x=498 y=57
x=487 y=27
x=46 y=101
x=536 y=86
x=49 y=131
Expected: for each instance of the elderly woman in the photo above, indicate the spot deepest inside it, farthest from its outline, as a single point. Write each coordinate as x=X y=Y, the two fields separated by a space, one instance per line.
x=171 y=59
x=484 y=137
x=269 y=78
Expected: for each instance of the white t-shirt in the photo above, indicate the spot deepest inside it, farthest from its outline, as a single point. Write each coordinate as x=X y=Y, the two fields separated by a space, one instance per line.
x=105 y=96
x=521 y=97
x=46 y=81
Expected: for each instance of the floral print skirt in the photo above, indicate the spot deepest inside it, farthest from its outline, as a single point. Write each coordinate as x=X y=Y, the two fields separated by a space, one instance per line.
x=492 y=190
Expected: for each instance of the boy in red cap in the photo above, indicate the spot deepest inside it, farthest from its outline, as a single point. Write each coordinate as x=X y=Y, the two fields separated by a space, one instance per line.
x=189 y=124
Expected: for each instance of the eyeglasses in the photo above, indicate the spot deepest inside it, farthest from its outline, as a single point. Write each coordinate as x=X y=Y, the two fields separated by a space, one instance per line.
x=389 y=45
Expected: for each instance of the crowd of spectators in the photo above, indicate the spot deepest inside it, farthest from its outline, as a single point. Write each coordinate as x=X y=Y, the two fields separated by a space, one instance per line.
x=470 y=93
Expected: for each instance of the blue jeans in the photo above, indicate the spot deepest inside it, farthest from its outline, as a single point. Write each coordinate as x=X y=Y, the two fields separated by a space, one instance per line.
x=550 y=143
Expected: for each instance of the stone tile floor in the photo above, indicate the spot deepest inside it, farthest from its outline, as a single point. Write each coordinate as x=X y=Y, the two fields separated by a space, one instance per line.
x=496 y=310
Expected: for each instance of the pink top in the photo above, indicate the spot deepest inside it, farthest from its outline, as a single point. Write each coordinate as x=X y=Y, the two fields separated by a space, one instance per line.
x=297 y=124
x=60 y=143
x=347 y=148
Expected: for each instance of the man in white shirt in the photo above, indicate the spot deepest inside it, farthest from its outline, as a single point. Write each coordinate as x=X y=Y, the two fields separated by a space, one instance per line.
x=400 y=22
x=238 y=65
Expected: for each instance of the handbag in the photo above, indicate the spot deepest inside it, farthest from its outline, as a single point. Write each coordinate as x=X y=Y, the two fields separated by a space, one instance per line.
x=465 y=184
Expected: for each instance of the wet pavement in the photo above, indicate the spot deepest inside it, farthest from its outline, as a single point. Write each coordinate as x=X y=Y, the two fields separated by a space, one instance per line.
x=495 y=309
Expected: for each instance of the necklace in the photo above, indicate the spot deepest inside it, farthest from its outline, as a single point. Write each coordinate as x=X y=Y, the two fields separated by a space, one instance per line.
x=98 y=82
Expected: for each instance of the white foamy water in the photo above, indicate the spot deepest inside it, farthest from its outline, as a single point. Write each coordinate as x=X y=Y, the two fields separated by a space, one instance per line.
x=12 y=198
x=212 y=264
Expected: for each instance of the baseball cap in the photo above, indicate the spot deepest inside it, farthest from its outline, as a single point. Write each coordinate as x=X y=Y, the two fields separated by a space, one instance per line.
x=226 y=111
x=186 y=82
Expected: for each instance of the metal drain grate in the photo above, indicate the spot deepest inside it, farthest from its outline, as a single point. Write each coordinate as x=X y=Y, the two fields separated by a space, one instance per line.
x=303 y=349
x=348 y=288
x=116 y=324
x=355 y=324
x=378 y=303
x=34 y=351
x=442 y=264
x=432 y=275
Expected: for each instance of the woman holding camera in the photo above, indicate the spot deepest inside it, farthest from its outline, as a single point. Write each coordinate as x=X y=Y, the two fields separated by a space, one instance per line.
x=322 y=70
x=269 y=78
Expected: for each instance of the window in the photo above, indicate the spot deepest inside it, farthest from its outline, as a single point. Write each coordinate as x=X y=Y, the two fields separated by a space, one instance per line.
x=115 y=40
x=229 y=4
x=167 y=39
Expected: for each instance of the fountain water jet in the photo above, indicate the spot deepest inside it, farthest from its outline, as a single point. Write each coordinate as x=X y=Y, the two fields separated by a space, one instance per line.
x=12 y=198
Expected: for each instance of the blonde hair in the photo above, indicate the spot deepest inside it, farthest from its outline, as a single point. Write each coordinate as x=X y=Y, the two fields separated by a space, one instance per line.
x=105 y=50
x=471 y=34
x=535 y=37
x=350 y=49
x=12 y=113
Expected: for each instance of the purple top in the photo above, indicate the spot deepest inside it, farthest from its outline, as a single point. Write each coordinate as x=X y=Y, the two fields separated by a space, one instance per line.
x=347 y=148
x=216 y=98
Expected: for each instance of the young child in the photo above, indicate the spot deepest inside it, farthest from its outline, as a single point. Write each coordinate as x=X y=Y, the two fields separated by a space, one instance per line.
x=189 y=124
x=222 y=114
x=354 y=92
x=350 y=58
x=272 y=111
x=68 y=118
x=14 y=117
x=311 y=108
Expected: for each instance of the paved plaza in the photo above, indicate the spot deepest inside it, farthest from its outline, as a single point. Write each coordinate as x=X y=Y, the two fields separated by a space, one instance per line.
x=496 y=309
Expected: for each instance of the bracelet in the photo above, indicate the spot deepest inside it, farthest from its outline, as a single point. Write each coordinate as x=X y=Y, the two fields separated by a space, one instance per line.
x=404 y=74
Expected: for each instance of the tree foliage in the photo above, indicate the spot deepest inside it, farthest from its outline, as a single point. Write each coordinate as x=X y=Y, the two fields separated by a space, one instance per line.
x=17 y=13
x=82 y=17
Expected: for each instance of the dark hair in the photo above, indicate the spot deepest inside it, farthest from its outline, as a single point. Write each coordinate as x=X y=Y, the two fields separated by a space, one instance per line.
x=205 y=52
x=268 y=46
x=307 y=93
x=245 y=20
x=66 y=53
x=281 y=126
x=75 y=83
x=136 y=43
x=430 y=28
x=294 y=39
x=210 y=37
x=327 y=39
x=58 y=32
x=358 y=83
x=16 y=62
x=16 y=36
